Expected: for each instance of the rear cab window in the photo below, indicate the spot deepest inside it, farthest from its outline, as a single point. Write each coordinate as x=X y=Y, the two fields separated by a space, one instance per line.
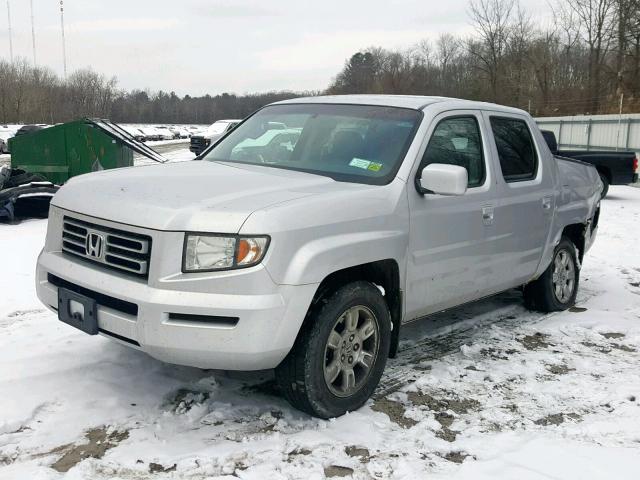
x=516 y=149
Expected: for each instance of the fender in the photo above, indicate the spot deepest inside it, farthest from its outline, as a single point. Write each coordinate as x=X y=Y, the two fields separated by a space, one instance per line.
x=317 y=259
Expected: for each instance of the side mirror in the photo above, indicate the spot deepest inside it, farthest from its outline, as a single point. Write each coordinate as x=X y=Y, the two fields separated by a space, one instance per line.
x=443 y=179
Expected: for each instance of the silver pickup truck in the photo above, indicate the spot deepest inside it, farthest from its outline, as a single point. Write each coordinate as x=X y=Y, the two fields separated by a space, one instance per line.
x=305 y=250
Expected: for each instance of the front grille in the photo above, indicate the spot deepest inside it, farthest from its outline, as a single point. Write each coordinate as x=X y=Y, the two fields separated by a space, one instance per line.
x=198 y=144
x=198 y=141
x=112 y=248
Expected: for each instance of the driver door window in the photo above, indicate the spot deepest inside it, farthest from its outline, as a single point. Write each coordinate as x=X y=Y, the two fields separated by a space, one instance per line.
x=457 y=141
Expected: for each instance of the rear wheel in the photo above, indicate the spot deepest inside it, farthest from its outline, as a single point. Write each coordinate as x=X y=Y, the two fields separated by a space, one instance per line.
x=557 y=287
x=605 y=185
x=339 y=356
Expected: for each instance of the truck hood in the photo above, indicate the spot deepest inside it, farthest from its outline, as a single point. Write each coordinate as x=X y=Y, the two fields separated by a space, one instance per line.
x=191 y=196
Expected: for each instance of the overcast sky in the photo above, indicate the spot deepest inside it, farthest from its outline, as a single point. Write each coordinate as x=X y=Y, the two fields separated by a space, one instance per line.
x=215 y=46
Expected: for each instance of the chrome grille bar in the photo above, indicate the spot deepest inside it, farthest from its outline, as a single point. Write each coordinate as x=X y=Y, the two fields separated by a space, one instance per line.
x=113 y=248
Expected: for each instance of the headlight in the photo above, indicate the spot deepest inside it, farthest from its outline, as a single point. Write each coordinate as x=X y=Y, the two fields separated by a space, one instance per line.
x=222 y=252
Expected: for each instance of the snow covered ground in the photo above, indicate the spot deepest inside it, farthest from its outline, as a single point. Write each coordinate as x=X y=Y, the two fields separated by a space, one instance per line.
x=488 y=391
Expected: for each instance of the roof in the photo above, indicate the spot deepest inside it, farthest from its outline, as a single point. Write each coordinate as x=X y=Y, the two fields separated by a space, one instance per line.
x=415 y=102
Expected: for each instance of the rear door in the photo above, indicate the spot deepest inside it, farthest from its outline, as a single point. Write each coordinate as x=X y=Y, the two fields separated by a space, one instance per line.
x=527 y=199
x=451 y=237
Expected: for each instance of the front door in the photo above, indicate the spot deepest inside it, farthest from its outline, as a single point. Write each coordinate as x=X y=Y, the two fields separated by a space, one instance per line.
x=452 y=238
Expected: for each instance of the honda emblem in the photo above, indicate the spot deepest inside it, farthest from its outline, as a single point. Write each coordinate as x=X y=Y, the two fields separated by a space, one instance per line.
x=95 y=245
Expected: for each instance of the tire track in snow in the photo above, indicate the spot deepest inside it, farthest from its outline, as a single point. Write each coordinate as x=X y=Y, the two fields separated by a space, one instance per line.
x=465 y=323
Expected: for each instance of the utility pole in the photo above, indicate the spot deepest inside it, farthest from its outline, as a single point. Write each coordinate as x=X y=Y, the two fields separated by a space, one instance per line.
x=10 y=37
x=33 y=36
x=64 y=47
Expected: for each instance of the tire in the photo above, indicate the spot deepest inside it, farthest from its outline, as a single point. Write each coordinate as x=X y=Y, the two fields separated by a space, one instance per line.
x=301 y=375
x=605 y=185
x=548 y=295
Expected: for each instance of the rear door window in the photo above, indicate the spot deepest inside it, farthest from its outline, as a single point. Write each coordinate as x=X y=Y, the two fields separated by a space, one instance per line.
x=516 y=150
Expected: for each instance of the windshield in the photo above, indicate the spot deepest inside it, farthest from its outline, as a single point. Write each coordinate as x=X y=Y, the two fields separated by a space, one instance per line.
x=353 y=143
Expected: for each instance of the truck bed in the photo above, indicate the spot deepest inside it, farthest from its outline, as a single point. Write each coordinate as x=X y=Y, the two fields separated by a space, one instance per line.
x=618 y=168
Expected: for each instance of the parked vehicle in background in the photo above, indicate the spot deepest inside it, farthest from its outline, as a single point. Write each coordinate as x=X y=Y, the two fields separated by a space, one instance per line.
x=199 y=142
x=4 y=147
x=178 y=132
x=140 y=135
x=135 y=132
x=165 y=133
x=614 y=167
x=25 y=129
x=151 y=133
x=307 y=255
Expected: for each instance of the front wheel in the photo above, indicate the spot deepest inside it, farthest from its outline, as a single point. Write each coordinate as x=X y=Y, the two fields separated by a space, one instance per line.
x=557 y=287
x=340 y=354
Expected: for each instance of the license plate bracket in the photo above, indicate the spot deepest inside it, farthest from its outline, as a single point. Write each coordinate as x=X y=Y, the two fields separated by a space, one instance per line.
x=78 y=311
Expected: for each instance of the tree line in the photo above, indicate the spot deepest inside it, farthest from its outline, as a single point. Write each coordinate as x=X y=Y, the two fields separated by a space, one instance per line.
x=586 y=61
x=37 y=95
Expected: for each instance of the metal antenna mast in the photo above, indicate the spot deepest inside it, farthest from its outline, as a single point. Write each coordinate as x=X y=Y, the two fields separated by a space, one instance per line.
x=10 y=37
x=33 y=35
x=64 y=47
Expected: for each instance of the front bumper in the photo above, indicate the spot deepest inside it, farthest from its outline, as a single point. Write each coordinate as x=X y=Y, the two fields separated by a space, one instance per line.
x=268 y=315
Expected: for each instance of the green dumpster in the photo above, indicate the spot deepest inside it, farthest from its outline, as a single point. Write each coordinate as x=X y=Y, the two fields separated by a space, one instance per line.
x=69 y=149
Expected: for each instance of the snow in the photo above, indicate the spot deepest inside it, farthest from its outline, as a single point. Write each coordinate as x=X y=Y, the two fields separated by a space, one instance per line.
x=487 y=391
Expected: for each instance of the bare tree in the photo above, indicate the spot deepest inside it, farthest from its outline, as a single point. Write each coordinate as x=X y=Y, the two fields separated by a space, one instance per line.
x=448 y=49
x=627 y=66
x=595 y=23
x=633 y=36
x=492 y=21
x=396 y=75
x=518 y=51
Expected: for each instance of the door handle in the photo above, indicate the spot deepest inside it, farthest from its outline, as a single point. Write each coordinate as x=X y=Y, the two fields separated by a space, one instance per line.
x=546 y=203
x=487 y=215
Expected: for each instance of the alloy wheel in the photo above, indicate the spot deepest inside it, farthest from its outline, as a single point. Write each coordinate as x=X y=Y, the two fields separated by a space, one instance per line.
x=564 y=276
x=351 y=351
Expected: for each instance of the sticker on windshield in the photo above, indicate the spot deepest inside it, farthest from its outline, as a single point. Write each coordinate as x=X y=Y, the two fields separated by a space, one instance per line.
x=375 y=167
x=360 y=163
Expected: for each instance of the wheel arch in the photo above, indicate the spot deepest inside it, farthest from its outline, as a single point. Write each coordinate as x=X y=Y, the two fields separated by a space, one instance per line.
x=382 y=273
x=576 y=233
x=580 y=234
